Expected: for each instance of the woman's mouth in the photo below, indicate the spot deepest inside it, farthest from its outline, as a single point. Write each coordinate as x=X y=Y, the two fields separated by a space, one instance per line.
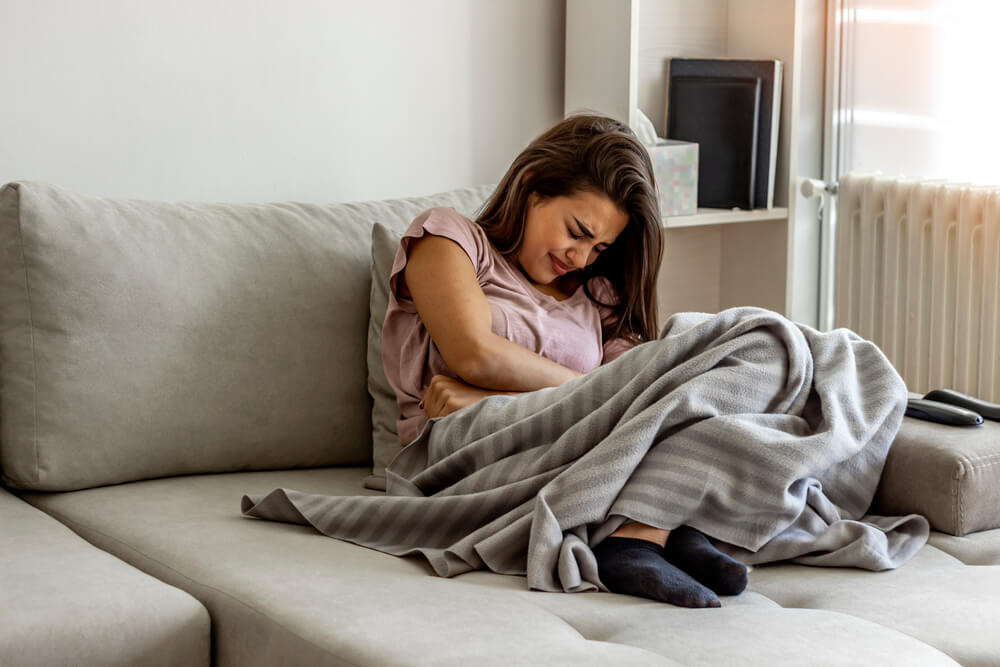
x=557 y=266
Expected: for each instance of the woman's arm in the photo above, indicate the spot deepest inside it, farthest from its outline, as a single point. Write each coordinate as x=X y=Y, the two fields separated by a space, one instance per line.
x=441 y=280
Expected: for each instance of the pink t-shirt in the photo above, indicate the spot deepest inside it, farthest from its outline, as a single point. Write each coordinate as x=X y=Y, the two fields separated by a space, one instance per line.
x=567 y=332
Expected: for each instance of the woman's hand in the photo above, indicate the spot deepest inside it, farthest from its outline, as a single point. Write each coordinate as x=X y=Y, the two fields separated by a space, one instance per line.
x=445 y=395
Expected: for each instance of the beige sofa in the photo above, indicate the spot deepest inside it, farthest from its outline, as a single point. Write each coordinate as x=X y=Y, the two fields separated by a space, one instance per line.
x=158 y=361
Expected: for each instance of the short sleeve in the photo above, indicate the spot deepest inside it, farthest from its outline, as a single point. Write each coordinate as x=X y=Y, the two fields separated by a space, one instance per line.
x=449 y=224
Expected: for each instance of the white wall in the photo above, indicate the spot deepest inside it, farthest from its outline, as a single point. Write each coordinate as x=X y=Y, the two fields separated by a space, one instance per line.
x=257 y=100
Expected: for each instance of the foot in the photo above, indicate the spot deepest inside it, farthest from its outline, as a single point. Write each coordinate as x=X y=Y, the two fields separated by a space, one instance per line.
x=638 y=567
x=692 y=552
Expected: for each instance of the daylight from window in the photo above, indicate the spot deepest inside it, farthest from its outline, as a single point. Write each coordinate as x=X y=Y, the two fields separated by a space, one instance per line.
x=919 y=89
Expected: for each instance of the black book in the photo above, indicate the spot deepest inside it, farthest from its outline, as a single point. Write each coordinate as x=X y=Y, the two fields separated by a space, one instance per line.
x=720 y=115
x=731 y=109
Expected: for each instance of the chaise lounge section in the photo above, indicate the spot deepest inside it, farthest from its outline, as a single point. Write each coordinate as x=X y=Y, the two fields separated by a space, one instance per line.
x=66 y=601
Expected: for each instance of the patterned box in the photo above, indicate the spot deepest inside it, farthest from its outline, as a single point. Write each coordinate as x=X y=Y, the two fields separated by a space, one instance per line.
x=675 y=164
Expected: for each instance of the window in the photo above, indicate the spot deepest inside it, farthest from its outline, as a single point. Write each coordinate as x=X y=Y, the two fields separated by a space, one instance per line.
x=918 y=89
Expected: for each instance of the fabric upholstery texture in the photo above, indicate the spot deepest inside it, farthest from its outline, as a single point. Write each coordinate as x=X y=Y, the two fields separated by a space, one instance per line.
x=946 y=603
x=276 y=590
x=143 y=339
x=949 y=474
x=385 y=241
x=982 y=548
x=63 y=601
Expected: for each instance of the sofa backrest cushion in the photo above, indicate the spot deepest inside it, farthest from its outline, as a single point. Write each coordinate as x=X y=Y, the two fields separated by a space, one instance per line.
x=145 y=339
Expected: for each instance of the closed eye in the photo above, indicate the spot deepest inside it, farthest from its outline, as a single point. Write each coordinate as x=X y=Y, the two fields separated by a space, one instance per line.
x=599 y=248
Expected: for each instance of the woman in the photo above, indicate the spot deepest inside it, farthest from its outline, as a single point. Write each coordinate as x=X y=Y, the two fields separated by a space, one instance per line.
x=556 y=277
x=768 y=435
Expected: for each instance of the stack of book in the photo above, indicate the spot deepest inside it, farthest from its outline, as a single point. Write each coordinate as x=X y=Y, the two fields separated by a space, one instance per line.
x=731 y=109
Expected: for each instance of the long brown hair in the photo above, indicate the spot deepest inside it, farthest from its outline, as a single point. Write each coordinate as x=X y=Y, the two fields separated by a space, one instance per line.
x=589 y=153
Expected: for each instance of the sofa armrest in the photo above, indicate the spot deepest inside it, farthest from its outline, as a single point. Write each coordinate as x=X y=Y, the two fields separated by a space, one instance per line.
x=949 y=474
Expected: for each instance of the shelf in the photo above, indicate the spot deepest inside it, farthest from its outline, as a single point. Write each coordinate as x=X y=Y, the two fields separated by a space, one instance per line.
x=719 y=216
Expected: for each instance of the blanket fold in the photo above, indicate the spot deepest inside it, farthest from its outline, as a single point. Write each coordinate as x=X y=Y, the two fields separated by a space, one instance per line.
x=767 y=435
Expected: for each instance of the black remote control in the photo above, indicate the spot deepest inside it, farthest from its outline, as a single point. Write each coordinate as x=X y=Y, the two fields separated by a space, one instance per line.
x=942 y=413
x=985 y=408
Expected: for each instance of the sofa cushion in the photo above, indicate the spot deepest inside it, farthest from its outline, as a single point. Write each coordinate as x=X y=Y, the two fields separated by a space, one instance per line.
x=935 y=598
x=950 y=474
x=281 y=593
x=142 y=339
x=385 y=439
x=981 y=548
x=65 y=602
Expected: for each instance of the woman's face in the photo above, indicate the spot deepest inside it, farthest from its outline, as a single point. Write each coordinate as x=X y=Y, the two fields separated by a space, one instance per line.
x=565 y=234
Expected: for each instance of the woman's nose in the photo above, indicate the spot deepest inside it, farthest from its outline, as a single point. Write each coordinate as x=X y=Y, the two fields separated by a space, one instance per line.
x=577 y=256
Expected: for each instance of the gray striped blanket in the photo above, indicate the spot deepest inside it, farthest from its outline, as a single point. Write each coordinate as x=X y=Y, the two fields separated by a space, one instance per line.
x=766 y=435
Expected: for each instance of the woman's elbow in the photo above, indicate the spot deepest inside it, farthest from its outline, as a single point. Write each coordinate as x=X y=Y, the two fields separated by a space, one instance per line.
x=474 y=365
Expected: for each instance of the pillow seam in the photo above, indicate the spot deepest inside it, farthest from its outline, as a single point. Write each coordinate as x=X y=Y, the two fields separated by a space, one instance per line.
x=31 y=335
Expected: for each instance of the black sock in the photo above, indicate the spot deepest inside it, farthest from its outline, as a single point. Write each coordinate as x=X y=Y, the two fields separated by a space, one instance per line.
x=695 y=554
x=638 y=567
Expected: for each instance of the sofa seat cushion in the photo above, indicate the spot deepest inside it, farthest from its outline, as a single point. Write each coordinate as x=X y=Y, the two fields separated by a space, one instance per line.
x=981 y=548
x=935 y=597
x=281 y=593
x=63 y=601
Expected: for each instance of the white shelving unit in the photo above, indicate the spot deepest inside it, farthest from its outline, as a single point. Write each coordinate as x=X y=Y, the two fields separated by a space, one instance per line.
x=616 y=62
x=718 y=216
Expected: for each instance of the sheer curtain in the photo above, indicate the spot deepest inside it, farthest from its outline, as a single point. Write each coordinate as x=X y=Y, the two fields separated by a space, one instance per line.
x=920 y=88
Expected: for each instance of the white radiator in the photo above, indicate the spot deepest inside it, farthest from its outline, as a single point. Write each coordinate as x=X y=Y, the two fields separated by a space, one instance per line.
x=918 y=272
